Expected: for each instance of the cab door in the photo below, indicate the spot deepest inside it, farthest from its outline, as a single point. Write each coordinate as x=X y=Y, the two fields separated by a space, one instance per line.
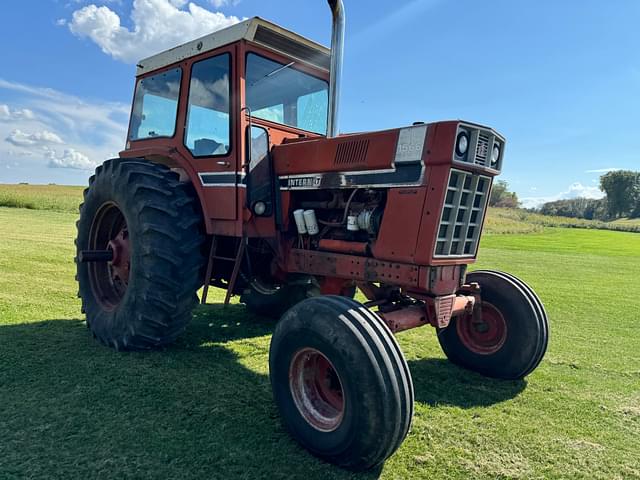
x=210 y=140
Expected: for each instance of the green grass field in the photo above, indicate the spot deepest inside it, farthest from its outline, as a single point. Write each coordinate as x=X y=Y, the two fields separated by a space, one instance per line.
x=41 y=197
x=73 y=409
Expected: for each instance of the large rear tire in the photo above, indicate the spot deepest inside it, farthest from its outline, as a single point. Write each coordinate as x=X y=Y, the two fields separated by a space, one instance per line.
x=143 y=298
x=340 y=382
x=512 y=338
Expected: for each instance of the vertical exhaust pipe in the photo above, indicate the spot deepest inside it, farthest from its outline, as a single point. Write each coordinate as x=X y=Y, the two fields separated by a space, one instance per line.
x=337 y=52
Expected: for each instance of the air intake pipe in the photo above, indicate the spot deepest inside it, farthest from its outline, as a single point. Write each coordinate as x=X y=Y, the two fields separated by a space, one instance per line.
x=337 y=52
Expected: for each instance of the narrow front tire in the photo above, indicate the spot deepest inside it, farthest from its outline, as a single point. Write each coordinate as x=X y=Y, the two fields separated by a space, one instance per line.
x=512 y=337
x=340 y=382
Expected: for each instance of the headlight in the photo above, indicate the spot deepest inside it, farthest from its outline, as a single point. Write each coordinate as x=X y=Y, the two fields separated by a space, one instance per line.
x=259 y=208
x=462 y=144
x=495 y=155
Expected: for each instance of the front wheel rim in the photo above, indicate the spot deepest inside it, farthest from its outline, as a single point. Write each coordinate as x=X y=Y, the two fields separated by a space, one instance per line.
x=485 y=337
x=316 y=389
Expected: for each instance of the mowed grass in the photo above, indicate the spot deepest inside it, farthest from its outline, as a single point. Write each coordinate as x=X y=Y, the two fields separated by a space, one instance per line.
x=71 y=408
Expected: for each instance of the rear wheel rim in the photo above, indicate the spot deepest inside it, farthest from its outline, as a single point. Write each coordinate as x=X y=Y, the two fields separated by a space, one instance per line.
x=316 y=389
x=109 y=280
x=484 y=337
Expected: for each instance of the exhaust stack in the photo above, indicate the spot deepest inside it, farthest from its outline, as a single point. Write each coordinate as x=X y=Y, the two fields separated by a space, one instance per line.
x=337 y=52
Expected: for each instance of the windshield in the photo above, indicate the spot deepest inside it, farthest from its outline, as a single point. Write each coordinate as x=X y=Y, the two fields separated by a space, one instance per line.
x=280 y=93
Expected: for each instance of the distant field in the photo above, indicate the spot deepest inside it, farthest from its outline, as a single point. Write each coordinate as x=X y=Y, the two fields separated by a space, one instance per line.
x=73 y=409
x=507 y=220
x=634 y=222
x=41 y=197
x=499 y=220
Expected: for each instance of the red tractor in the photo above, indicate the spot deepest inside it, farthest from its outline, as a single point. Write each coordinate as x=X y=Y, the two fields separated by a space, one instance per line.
x=234 y=176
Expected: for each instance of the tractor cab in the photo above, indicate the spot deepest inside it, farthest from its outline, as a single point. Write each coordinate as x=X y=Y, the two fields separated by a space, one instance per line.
x=213 y=108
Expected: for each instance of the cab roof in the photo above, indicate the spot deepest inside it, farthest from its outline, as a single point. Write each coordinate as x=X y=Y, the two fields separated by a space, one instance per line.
x=256 y=30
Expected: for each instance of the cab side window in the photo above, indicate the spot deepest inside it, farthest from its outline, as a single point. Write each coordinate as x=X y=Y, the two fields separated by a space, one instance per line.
x=207 y=132
x=155 y=106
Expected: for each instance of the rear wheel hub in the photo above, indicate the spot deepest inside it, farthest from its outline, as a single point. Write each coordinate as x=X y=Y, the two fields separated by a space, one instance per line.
x=121 y=256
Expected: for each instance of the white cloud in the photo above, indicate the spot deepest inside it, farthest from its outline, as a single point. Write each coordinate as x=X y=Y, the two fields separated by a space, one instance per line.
x=70 y=158
x=575 y=190
x=22 y=139
x=96 y=117
x=7 y=114
x=87 y=128
x=604 y=170
x=157 y=26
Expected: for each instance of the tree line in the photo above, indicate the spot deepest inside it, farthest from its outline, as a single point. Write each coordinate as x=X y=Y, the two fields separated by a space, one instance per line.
x=622 y=199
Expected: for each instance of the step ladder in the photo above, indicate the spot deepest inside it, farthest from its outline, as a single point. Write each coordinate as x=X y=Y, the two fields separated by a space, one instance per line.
x=237 y=262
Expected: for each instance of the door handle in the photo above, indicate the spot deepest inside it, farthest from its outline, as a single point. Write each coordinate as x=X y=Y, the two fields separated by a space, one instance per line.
x=223 y=163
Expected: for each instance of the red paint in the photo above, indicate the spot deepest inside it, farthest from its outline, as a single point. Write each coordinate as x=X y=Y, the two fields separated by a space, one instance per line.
x=335 y=286
x=405 y=319
x=121 y=260
x=400 y=225
x=341 y=246
x=485 y=335
x=316 y=389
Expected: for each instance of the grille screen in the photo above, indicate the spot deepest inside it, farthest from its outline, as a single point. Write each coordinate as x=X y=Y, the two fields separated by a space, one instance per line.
x=353 y=152
x=482 y=149
x=461 y=222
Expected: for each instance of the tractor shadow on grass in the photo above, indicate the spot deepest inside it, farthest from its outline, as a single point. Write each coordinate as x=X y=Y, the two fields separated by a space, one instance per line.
x=202 y=408
x=217 y=323
x=439 y=382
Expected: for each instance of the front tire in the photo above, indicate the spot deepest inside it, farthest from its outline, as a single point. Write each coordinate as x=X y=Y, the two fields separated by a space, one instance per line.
x=151 y=222
x=340 y=382
x=512 y=338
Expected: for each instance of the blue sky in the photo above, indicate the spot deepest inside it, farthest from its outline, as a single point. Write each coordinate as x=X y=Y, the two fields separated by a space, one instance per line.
x=560 y=79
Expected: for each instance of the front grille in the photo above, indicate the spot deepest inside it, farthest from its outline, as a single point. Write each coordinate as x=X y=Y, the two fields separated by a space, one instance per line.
x=462 y=215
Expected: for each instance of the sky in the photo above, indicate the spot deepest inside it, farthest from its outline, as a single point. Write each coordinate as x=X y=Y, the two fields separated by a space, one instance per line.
x=559 y=79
